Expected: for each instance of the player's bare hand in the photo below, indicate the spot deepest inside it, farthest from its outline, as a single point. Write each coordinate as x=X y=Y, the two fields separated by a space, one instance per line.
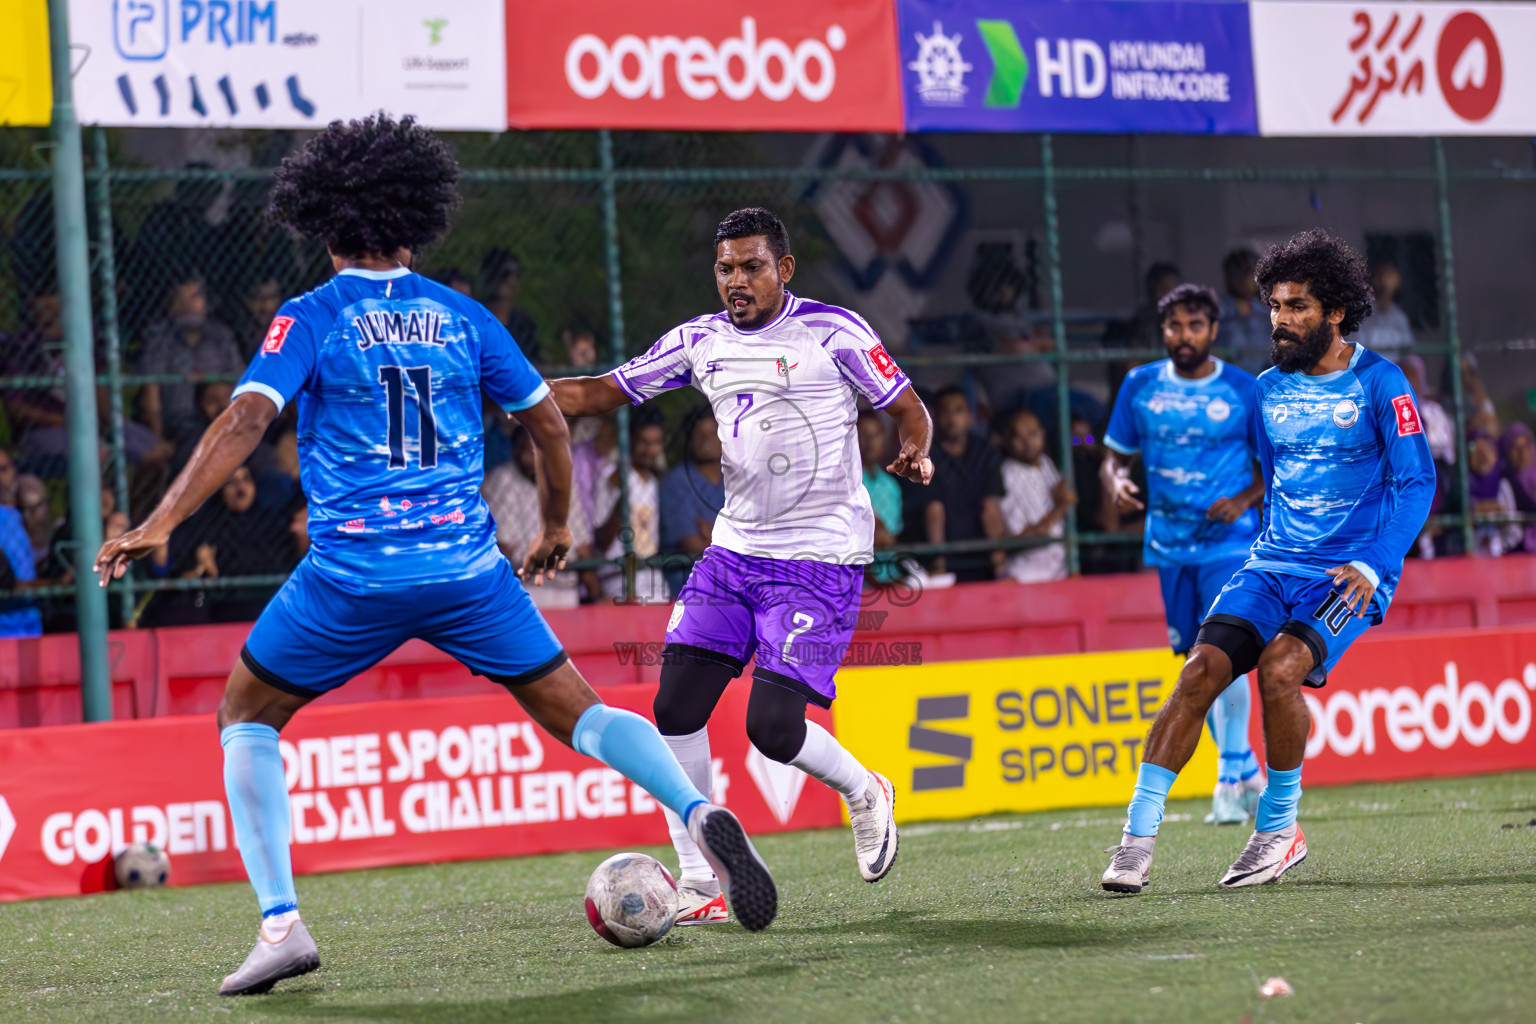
x=1227 y=510
x=113 y=558
x=1124 y=490
x=1357 y=588
x=912 y=464
x=546 y=556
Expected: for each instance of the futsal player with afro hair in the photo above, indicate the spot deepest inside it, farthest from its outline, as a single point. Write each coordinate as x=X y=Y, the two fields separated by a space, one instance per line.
x=387 y=368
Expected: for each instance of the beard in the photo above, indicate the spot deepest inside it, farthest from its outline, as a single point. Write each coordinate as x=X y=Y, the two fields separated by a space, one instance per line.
x=1300 y=353
x=1188 y=358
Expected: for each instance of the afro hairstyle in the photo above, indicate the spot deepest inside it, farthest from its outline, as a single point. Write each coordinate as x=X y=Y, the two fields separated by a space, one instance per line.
x=753 y=221
x=1196 y=298
x=1335 y=273
x=368 y=187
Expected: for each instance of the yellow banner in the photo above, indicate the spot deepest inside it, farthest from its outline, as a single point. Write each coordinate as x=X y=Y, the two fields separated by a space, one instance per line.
x=964 y=738
x=26 y=90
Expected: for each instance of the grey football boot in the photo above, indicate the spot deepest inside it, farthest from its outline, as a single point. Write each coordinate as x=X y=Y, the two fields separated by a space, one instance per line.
x=743 y=875
x=271 y=961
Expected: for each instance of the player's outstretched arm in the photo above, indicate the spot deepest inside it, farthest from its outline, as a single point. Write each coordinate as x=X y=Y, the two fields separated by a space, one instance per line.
x=914 y=429
x=227 y=443
x=587 y=396
x=552 y=466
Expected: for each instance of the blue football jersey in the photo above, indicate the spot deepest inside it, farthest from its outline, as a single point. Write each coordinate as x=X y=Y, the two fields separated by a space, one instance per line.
x=1193 y=438
x=388 y=368
x=1348 y=474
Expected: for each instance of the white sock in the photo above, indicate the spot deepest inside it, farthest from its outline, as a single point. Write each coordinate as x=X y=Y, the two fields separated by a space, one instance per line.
x=825 y=760
x=692 y=752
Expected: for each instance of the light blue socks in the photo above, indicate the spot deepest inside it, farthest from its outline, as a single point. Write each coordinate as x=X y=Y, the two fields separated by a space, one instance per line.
x=1146 y=809
x=630 y=745
x=258 y=804
x=1228 y=722
x=1277 y=804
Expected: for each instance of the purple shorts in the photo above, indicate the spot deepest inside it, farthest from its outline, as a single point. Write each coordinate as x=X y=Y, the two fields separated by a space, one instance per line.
x=796 y=616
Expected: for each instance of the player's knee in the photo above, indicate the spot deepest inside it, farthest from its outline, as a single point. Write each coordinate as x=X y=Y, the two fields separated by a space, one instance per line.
x=1283 y=665
x=1205 y=674
x=778 y=737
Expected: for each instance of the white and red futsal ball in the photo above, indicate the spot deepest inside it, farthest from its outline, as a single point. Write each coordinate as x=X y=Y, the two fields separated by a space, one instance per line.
x=631 y=900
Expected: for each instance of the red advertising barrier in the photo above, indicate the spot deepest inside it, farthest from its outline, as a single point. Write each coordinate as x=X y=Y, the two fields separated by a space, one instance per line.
x=370 y=784
x=1417 y=706
x=791 y=65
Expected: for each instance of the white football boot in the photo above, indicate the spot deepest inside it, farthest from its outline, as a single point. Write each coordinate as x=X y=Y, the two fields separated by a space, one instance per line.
x=1227 y=805
x=700 y=903
x=735 y=861
x=282 y=951
x=1267 y=856
x=873 y=816
x=1130 y=869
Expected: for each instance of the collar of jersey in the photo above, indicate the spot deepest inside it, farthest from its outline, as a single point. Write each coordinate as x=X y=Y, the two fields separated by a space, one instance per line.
x=1194 y=382
x=375 y=275
x=783 y=312
x=1329 y=378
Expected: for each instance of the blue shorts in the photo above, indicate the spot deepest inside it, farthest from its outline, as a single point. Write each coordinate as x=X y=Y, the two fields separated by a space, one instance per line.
x=1188 y=593
x=317 y=633
x=1308 y=608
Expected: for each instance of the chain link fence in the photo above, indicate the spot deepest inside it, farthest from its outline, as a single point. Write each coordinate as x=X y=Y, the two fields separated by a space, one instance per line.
x=1019 y=270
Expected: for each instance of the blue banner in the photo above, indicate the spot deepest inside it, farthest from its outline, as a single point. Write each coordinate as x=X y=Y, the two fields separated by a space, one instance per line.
x=1077 y=66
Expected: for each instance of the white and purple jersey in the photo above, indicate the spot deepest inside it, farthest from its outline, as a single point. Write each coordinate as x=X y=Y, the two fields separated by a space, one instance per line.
x=785 y=396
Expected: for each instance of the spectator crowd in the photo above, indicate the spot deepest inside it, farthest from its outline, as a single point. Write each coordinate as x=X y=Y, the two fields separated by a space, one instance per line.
x=998 y=494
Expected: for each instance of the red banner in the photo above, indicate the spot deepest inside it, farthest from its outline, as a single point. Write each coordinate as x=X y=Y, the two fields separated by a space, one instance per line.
x=792 y=65
x=1418 y=706
x=369 y=784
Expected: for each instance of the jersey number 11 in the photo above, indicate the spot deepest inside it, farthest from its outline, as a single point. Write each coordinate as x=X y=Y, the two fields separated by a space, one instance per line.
x=393 y=379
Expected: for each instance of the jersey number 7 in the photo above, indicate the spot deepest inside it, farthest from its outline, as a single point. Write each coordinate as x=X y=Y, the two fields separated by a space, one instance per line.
x=393 y=379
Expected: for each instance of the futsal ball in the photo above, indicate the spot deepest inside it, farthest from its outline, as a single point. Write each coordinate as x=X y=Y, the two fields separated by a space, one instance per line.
x=141 y=866
x=631 y=900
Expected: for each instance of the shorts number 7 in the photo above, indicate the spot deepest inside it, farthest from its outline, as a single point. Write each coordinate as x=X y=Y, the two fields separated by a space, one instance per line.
x=744 y=400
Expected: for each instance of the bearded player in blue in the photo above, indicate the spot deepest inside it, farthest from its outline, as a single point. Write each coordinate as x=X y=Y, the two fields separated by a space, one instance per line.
x=388 y=368
x=1349 y=481
x=1188 y=417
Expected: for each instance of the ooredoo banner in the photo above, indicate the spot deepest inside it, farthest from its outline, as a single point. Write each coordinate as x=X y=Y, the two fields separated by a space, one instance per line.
x=370 y=784
x=1412 y=706
x=1077 y=66
x=1395 y=69
x=796 y=65
x=964 y=738
x=289 y=64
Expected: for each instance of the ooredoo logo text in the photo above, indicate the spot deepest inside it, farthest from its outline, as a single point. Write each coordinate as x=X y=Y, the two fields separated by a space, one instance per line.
x=737 y=67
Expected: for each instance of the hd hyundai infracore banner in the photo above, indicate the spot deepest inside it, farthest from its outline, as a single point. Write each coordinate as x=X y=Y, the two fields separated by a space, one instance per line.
x=1076 y=66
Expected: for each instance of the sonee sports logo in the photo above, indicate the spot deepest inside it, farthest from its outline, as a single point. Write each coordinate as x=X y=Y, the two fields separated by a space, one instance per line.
x=954 y=745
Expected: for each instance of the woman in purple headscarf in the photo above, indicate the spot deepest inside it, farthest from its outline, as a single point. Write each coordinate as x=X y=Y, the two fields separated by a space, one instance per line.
x=1517 y=449
x=1490 y=493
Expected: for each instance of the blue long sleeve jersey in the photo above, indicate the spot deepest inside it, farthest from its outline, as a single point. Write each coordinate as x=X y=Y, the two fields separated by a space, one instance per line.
x=1348 y=474
x=388 y=368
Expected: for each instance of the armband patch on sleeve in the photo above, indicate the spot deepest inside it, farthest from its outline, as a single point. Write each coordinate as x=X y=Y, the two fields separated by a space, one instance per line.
x=1408 y=421
x=277 y=334
x=883 y=362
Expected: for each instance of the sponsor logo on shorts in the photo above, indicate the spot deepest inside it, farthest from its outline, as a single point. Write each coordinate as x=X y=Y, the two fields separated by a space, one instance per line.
x=455 y=517
x=277 y=334
x=1408 y=421
x=677 y=616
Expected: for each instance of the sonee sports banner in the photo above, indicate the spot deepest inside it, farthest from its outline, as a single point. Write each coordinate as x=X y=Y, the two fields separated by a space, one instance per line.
x=1076 y=66
x=406 y=782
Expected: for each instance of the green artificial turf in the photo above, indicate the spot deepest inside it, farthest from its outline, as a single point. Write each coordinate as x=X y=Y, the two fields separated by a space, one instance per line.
x=1415 y=905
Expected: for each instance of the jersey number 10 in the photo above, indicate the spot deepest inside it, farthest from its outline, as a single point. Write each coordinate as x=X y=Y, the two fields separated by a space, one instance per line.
x=393 y=379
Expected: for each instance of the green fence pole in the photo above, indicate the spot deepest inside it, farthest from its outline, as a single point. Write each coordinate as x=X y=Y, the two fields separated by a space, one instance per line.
x=611 y=254
x=106 y=306
x=80 y=372
x=1059 y=332
x=1453 y=338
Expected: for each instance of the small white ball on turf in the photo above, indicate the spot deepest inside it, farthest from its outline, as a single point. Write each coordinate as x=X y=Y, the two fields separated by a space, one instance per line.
x=141 y=866
x=631 y=900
